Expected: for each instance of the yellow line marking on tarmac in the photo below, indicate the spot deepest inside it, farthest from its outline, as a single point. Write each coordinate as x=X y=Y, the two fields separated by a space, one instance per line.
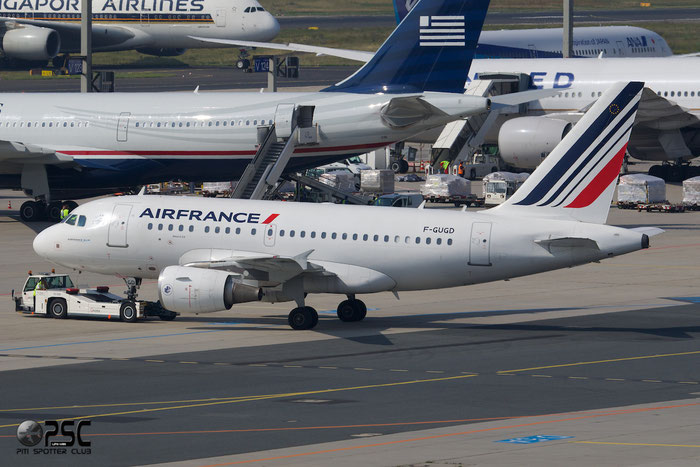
x=155 y=361
x=364 y=369
x=651 y=380
x=595 y=362
x=258 y=364
x=329 y=367
x=578 y=377
x=124 y=359
x=639 y=444
x=189 y=363
x=541 y=376
x=398 y=370
x=614 y=379
x=688 y=382
x=255 y=398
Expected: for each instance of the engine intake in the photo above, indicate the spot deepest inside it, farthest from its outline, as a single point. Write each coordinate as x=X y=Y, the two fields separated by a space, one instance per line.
x=31 y=43
x=188 y=289
x=524 y=142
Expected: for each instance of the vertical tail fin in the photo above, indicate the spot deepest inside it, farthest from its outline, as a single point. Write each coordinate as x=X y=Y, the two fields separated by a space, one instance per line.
x=577 y=179
x=430 y=50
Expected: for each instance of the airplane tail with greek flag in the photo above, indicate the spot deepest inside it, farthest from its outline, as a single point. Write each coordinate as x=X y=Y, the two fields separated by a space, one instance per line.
x=578 y=178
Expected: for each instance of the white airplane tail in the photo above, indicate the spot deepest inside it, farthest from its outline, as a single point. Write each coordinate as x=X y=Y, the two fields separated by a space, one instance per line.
x=578 y=178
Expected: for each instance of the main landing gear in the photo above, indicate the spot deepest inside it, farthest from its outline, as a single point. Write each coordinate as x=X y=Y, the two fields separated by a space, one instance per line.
x=305 y=317
x=32 y=211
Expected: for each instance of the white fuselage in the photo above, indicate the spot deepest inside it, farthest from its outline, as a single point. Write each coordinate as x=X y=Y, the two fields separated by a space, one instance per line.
x=369 y=249
x=205 y=136
x=152 y=24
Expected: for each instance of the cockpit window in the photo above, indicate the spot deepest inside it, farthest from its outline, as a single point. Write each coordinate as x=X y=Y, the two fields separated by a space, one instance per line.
x=71 y=220
x=81 y=221
x=247 y=10
x=260 y=8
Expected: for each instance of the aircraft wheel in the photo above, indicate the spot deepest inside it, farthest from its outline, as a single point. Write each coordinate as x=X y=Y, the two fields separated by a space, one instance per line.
x=31 y=211
x=403 y=166
x=53 y=211
x=127 y=312
x=58 y=308
x=352 y=310
x=303 y=318
x=395 y=166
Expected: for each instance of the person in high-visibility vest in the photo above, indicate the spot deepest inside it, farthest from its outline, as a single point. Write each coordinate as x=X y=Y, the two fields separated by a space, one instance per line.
x=445 y=166
x=64 y=211
x=40 y=285
x=460 y=170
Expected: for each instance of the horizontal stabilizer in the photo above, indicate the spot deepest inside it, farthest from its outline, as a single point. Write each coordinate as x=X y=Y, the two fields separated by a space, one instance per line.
x=568 y=242
x=649 y=231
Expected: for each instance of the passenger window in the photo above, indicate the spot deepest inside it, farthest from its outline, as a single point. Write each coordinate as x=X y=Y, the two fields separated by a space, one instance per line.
x=386 y=239
x=438 y=241
x=323 y=234
x=282 y=233
x=345 y=236
x=253 y=231
x=397 y=239
x=81 y=221
x=181 y=228
x=191 y=229
x=160 y=226
x=354 y=236
x=206 y=229
x=427 y=241
x=291 y=233
x=449 y=241
x=302 y=234
x=313 y=234
x=170 y=227
x=365 y=237
x=217 y=230
x=228 y=230
x=238 y=230
x=150 y=226
x=417 y=240
x=407 y=239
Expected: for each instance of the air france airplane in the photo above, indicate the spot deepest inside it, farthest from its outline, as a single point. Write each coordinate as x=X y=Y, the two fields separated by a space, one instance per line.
x=39 y=30
x=60 y=146
x=210 y=254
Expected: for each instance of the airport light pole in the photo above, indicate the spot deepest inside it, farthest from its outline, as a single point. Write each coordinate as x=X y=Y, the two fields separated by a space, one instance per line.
x=86 y=45
x=567 y=48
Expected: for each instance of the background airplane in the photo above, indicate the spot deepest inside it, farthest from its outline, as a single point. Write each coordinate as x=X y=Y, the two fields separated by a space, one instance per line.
x=61 y=146
x=210 y=254
x=37 y=31
x=591 y=41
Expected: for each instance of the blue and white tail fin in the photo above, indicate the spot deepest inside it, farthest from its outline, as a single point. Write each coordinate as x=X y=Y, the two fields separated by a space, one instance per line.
x=431 y=50
x=578 y=178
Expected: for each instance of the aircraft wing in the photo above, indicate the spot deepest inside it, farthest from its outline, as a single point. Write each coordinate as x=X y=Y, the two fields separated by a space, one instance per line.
x=103 y=35
x=660 y=113
x=357 y=55
x=254 y=266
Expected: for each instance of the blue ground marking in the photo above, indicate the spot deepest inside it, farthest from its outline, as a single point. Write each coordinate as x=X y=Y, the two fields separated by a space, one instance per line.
x=686 y=299
x=109 y=340
x=533 y=439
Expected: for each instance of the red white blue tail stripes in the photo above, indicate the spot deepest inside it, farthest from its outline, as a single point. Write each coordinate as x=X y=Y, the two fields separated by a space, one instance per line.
x=584 y=166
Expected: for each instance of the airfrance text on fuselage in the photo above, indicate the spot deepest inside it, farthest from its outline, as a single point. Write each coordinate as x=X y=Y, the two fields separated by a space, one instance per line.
x=215 y=216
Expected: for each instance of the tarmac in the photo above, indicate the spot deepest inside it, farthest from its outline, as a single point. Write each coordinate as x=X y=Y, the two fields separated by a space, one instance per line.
x=591 y=365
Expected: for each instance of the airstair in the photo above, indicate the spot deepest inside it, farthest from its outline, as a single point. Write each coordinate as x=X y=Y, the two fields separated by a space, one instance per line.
x=460 y=139
x=293 y=126
x=342 y=196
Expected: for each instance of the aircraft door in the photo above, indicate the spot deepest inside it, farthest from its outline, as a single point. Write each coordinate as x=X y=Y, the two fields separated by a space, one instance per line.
x=123 y=126
x=480 y=245
x=116 y=236
x=620 y=49
x=284 y=118
x=220 y=18
x=270 y=234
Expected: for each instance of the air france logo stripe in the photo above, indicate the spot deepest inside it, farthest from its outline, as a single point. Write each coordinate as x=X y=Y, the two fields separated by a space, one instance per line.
x=442 y=31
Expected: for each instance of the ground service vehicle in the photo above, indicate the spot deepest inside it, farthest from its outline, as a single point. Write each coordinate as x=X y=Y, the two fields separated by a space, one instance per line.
x=56 y=296
x=400 y=200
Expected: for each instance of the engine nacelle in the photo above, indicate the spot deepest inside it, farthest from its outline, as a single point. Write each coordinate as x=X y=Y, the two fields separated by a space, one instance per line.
x=524 y=142
x=188 y=289
x=31 y=43
x=161 y=52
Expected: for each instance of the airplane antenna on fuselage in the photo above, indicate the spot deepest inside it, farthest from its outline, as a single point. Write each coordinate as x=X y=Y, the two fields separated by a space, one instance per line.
x=142 y=191
x=196 y=90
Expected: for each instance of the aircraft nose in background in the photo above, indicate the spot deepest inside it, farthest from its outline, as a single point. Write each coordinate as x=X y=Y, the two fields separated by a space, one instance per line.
x=270 y=25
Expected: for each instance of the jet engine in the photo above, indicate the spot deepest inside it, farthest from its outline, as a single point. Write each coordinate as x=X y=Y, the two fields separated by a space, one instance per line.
x=189 y=289
x=160 y=52
x=31 y=43
x=524 y=142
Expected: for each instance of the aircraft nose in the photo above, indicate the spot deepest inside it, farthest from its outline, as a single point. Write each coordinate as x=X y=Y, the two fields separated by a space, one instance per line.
x=43 y=243
x=271 y=26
